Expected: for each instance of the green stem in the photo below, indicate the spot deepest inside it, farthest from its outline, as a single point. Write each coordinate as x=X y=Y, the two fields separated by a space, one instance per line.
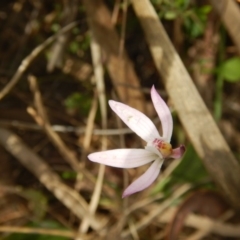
x=220 y=79
x=218 y=98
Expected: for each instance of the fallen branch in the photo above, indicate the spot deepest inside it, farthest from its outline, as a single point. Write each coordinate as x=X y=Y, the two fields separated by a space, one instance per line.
x=204 y=224
x=41 y=118
x=37 y=166
x=193 y=113
x=100 y=87
x=64 y=129
x=27 y=61
x=148 y=218
x=120 y=68
x=28 y=230
x=229 y=12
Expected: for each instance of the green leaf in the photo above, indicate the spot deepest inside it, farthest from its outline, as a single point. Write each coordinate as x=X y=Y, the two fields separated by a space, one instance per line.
x=205 y=9
x=170 y=15
x=78 y=101
x=230 y=69
x=74 y=46
x=69 y=175
x=191 y=168
x=161 y=186
x=37 y=202
x=55 y=27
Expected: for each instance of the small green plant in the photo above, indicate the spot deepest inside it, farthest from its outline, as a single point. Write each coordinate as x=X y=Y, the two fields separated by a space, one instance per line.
x=194 y=18
x=230 y=69
x=79 y=102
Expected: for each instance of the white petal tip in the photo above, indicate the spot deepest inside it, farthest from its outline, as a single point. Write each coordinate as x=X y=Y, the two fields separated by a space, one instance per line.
x=153 y=88
x=154 y=91
x=91 y=157
x=111 y=102
x=126 y=194
x=145 y=180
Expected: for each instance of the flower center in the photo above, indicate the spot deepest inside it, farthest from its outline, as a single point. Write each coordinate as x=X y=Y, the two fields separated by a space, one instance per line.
x=165 y=148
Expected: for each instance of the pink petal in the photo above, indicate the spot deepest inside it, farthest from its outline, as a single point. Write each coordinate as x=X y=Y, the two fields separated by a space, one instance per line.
x=123 y=158
x=153 y=149
x=178 y=152
x=164 y=114
x=136 y=121
x=144 y=180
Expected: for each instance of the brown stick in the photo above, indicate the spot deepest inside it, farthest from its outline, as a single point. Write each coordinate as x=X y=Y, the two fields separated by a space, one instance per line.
x=194 y=115
x=203 y=223
x=230 y=14
x=120 y=68
x=30 y=230
x=36 y=165
x=44 y=122
x=28 y=60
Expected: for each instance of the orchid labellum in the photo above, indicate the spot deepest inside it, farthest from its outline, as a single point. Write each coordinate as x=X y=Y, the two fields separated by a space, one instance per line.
x=156 y=150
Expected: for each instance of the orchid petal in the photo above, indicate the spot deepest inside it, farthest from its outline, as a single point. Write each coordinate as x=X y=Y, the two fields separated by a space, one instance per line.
x=145 y=180
x=151 y=148
x=178 y=152
x=164 y=114
x=136 y=121
x=123 y=158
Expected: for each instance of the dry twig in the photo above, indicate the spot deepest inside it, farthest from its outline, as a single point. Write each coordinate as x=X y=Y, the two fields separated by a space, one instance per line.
x=36 y=165
x=28 y=60
x=43 y=121
x=41 y=118
x=230 y=14
x=120 y=69
x=69 y=14
x=27 y=230
x=204 y=232
x=159 y=210
x=99 y=77
x=65 y=129
x=123 y=29
x=204 y=224
x=195 y=117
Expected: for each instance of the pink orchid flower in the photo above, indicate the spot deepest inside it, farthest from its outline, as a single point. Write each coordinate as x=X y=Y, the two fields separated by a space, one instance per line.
x=157 y=149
